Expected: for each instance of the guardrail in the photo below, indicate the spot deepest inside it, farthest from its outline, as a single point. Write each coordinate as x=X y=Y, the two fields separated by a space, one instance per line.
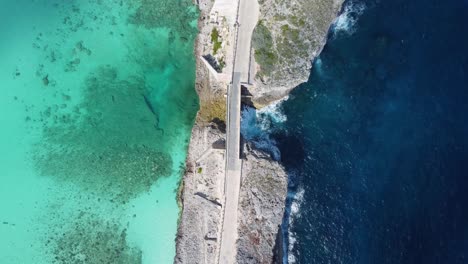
x=228 y=103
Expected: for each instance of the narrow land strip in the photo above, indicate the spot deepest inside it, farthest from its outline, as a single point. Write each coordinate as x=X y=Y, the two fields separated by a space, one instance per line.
x=248 y=12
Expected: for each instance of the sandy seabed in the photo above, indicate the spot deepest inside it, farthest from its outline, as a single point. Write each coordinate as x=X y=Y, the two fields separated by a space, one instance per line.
x=97 y=106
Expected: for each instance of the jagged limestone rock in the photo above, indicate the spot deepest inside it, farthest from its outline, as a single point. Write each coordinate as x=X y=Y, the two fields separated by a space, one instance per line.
x=261 y=206
x=289 y=35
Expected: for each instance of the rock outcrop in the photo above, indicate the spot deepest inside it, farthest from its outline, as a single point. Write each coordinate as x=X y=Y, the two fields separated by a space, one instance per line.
x=202 y=187
x=201 y=197
x=289 y=35
x=262 y=200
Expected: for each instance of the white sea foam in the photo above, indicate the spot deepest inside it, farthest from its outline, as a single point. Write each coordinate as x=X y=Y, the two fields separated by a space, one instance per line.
x=297 y=200
x=271 y=115
x=249 y=128
x=256 y=130
x=346 y=21
x=292 y=241
x=318 y=66
x=257 y=126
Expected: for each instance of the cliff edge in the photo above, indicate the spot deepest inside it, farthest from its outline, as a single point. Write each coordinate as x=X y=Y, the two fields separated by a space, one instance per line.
x=288 y=36
x=262 y=200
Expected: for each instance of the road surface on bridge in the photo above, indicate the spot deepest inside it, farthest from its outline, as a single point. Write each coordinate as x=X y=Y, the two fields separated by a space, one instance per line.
x=248 y=12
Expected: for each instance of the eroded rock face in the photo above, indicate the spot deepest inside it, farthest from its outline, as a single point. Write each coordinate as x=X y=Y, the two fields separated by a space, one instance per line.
x=261 y=207
x=286 y=40
x=201 y=193
x=199 y=229
x=289 y=35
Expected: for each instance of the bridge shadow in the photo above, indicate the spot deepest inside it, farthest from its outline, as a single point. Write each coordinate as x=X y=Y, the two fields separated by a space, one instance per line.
x=219 y=144
x=242 y=154
x=246 y=96
x=219 y=124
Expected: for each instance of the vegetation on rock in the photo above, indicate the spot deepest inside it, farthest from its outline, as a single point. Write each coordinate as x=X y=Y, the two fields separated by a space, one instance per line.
x=215 y=40
x=288 y=36
x=212 y=109
x=262 y=42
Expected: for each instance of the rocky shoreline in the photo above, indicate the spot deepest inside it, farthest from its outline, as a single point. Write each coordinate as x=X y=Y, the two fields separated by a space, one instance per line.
x=289 y=36
x=264 y=181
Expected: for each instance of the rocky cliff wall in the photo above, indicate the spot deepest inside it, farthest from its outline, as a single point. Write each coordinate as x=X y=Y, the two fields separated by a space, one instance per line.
x=288 y=37
x=262 y=200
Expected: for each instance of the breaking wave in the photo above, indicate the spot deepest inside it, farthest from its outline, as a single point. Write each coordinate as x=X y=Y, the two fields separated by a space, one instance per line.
x=346 y=21
x=296 y=199
x=271 y=115
x=258 y=125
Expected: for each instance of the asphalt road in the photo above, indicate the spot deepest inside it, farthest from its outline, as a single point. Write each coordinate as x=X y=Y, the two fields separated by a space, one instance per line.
x=247 y=19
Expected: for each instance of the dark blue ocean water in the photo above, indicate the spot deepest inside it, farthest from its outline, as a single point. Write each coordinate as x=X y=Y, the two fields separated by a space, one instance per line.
x=376 y=142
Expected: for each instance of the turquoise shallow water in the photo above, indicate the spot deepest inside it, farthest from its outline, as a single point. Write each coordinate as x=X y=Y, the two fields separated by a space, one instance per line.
x=96 y=107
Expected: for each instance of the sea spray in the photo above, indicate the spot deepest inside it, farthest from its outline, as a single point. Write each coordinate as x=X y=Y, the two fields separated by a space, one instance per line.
x=293 y=205
x=346 y=21
x=258 y=126
x=384 y=141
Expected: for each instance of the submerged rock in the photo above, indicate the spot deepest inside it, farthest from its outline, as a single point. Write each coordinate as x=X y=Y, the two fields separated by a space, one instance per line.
x=106 y=148
x=93 y=241
x=45 y=80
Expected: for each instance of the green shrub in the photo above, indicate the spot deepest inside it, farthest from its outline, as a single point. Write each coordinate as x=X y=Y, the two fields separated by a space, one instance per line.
x=266 y=59
x=261 y=37
x=265 y=55
x=215 y=40
x=297 y=21
x=222 y=63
